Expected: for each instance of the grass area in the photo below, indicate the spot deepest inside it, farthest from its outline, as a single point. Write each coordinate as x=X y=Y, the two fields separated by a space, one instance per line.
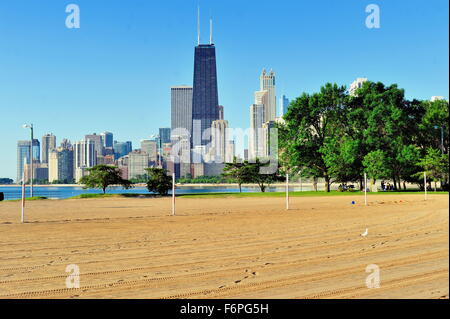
x=28 y=198
x=99 y=195
x=238 y=195
x=300 y=194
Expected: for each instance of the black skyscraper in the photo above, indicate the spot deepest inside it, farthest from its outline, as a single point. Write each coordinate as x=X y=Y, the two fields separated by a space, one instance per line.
x=205 y=100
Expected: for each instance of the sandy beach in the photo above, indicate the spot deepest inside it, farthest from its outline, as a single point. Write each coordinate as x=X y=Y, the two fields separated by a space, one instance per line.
x=226 y=247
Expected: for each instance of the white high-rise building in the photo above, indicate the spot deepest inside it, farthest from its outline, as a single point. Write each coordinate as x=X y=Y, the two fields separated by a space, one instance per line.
x=219 y=139
x=84 y=157
x=257 y=116
x=230 y=151
x=356 y=85
x=267 y=83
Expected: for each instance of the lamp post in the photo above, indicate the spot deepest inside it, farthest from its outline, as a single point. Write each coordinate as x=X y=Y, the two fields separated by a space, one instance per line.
x=30 y=126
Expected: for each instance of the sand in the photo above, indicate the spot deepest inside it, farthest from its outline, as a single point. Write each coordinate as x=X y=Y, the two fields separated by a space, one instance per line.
x=226 y=248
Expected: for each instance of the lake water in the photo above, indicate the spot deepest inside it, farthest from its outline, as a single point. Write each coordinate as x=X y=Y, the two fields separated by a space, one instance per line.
x=55 y=192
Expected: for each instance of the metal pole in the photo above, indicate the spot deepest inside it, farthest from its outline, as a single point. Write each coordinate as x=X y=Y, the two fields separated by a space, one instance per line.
x=173 y=194
x=23 y=192
x=425 y=183
x=31 y=156
x=287 y=191
x=365 y=189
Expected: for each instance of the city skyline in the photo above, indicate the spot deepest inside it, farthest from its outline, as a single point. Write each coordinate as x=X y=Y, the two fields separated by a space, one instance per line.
x=54 y=112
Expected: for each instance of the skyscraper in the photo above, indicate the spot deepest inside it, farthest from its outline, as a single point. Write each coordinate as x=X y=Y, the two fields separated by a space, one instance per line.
x=23 y=152
x=181 y=110
x=84 y=157
x=164 y=135
x=205 y=99
x=267 y=83
x=219 y=140
x=284 y=103
x=48 y=144
x=137 y=163
x=107 y=138
x=257 y=115
x=122 y=149
x=98 y=143
x=151 y=148
x=60 y=165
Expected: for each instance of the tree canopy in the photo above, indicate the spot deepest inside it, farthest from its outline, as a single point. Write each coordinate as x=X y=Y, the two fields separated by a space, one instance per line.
x=101 y=176
x=338 y=136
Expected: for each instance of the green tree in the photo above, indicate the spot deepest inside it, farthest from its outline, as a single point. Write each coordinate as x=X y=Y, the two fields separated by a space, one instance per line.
x=312 y=121
x=101 y=176
x=435 y=164
x=158 y=181
x=377 y=166
x=237 y=171
x=256 y=176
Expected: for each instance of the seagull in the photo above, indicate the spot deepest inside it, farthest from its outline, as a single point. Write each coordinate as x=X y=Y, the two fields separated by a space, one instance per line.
x=365 y=233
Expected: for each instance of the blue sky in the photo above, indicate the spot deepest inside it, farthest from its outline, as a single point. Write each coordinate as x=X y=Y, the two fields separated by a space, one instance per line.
x=115 y=72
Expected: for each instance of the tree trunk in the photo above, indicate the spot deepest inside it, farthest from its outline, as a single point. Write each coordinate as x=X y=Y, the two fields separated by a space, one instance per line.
x=394 y=180
x=361 y=183
x=404 y=185
x=327 y=183
x=240 y=188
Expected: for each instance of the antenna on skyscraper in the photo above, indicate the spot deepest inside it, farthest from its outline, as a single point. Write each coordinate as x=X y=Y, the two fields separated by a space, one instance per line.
x=210 y=31
x=198 y=25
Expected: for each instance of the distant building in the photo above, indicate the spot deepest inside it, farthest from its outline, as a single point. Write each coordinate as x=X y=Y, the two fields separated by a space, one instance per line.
x=151 y=148
x=65 y=143
x=61 y=165
x=23 y=153
x=122 y=149
x=181 y=110
x=205 y=98
x=267 y=83
x=48 y=144
x=356 y=85
x=164 y=135
x=269 y=145
x=84 y=157
x=230 y=151
x=108 y=139
x=40 y=172
x=137 y=163
x=257 y=115
x=284 y=103
x=246 y=154
x=98 y=143
x=219 y=139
